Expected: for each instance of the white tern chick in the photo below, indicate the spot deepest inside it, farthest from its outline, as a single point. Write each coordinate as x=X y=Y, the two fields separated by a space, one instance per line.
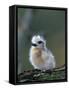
x=40 y=57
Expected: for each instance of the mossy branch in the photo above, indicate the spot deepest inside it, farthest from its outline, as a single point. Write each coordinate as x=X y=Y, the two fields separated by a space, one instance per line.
x=38 y=75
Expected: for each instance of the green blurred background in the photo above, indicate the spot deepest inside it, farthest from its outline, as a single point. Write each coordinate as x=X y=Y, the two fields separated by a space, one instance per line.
x=50 y=24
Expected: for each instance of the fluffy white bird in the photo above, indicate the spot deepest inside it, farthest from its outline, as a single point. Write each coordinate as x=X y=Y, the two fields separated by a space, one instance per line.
x=40 y=57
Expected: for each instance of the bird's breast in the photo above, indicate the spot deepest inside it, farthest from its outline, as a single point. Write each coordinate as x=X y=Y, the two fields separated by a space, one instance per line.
x=37 y=56
x=36 y=52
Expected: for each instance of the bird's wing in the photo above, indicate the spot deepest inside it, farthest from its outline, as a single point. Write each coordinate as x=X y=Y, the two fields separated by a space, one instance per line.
x=50 y=53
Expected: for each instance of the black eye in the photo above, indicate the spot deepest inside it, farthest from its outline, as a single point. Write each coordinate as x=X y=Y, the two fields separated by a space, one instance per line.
x=40 y=42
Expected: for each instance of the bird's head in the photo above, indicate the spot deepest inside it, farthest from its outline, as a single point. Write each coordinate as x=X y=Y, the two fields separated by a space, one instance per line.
x=38 y=41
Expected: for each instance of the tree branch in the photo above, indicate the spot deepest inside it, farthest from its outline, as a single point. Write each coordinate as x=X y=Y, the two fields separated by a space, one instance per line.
x=38 y=75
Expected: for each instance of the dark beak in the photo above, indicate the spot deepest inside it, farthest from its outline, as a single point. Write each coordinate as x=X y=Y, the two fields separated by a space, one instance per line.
x=33 y=44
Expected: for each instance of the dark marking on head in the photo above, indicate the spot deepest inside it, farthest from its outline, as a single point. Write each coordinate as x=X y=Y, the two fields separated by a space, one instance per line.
x=39 y=42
